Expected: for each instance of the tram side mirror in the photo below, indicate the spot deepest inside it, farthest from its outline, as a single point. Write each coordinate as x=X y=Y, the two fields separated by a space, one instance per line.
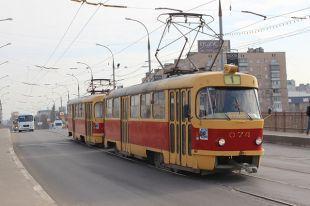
x=186 y=112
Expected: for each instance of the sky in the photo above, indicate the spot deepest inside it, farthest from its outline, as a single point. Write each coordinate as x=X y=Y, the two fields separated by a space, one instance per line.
x=60 y=33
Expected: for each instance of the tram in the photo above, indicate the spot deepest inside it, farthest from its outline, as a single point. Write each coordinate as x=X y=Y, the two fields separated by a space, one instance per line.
x=202 y=122
x=86 y=119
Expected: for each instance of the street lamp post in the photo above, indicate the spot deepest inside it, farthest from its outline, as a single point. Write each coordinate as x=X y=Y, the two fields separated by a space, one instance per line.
x=4 y=87
x=4 y=94
x=91 y=73
x=8 y=44
x=113 y=64
x=4 y=76
x=4 y=63
x=7 y=19
x=68 y=93
x=77 y=80
x=148 y=41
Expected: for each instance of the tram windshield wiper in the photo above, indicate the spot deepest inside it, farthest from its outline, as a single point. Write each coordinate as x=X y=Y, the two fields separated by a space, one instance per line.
x=226 y=115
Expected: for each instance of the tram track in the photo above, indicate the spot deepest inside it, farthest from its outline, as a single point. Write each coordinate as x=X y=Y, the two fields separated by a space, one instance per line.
x=291 y=170
x=260 y=196
x=231 y=188
x=277 y=181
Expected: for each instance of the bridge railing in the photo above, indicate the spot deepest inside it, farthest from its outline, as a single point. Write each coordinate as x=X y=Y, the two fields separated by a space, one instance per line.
x=286 y=121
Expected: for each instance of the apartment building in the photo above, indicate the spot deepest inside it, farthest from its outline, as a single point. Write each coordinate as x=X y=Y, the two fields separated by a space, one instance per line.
x=268 y=67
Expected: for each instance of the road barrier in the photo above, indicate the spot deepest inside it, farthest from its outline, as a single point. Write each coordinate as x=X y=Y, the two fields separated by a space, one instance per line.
x=286 y=121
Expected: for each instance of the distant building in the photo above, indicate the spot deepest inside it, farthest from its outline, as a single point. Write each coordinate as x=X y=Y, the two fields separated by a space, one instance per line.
x=291 y=85
x=298 y=101
x=1 y=114
x=268 y=67
x=298 y=96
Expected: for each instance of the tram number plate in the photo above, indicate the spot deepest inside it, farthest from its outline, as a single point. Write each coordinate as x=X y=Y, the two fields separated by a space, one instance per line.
x=239 y=134
x=232 y=79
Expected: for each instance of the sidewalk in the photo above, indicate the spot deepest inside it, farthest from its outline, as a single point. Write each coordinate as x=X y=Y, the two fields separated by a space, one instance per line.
x=17 y=187
x=295 y=139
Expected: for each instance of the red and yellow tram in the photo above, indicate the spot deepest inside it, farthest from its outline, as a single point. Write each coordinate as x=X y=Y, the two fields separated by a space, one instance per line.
x=86 y=119
x=198 y=122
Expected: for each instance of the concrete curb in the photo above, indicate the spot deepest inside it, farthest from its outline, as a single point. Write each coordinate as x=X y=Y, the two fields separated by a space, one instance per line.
x=286 y=140
x=36 y=186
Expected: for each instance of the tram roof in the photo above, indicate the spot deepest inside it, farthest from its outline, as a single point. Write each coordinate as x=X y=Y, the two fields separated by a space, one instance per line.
x=184 y=81
x=91 y=98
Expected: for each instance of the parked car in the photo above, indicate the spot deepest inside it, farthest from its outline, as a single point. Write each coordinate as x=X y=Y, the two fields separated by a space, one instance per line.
x=58 y=124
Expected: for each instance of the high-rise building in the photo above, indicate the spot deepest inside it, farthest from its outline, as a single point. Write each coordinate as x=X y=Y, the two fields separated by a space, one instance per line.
x=268 y=67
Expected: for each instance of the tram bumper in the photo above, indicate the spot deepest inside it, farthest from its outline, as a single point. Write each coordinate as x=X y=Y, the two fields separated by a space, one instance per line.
x=221 y=161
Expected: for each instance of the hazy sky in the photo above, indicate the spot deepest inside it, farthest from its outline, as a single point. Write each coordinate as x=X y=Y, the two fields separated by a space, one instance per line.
x=39 y=25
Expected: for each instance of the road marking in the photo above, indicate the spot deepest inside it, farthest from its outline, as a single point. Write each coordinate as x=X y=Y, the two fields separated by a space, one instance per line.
x=36 y=187
x=43 y=144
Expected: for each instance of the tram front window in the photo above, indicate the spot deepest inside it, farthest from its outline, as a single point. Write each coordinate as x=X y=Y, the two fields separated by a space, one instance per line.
x=228 y=103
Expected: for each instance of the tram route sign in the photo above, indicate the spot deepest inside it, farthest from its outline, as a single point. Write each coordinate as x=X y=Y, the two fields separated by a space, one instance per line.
x=212 y=46
x=232 y=58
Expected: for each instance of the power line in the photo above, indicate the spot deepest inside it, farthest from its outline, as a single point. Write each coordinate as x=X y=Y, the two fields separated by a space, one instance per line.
x=201 y=5
x=272 y=17
x=77 y=36
x=65 y=33
x=277 y=37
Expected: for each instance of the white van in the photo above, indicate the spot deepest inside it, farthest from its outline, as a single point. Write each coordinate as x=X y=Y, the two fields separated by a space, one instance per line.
x=25 y=122
x=58 y=124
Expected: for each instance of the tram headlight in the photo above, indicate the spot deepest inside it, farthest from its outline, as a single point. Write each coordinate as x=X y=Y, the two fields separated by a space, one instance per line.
x=222 y=142
x=258 y=141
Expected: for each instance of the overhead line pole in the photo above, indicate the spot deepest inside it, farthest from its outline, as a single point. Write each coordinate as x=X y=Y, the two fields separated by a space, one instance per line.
x=148 y=42
x=221 y=35
x=113 y=62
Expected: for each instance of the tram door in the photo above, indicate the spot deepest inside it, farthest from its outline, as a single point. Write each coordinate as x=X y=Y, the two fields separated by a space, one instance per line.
x=124 y=124
x=73 y=109
x=179 y=126
x=88 y=117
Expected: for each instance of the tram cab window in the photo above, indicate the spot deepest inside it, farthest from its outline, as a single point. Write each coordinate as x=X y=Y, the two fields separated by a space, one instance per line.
x=146 y=106
x=134 y=106
x=228 y=103
x=99 y=110
x=159 y=103
x=109 y=108
x=116 y=107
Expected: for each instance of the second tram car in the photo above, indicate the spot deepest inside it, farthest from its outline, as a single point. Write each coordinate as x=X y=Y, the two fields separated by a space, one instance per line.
x=197 y=122
x=86 y=119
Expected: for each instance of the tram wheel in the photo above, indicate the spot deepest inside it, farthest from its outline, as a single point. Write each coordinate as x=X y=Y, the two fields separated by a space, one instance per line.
x=159 y=160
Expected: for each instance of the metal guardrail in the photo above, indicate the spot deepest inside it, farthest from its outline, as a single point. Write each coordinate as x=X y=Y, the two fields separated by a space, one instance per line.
x=286 y=121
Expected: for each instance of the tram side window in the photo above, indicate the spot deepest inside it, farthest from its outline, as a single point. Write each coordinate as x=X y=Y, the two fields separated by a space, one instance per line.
x=146 y=105
x=109 y=108
x=76 y=110
x=99 y=110
x=134 y=106
x=116 y=107
x=82 y=110
x=69 y=109
x=204 y=106
x=159 y=105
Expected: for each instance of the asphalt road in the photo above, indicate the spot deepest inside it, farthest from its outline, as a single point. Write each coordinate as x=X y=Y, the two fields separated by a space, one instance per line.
x=74 y=174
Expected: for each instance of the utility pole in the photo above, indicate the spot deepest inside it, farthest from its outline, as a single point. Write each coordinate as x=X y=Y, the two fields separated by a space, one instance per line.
x=91 y=75
x=148 y=42
x=221 y=36
x=113 y=63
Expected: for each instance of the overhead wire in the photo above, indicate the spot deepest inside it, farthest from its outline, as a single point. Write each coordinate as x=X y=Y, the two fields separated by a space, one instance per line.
x=64 y=35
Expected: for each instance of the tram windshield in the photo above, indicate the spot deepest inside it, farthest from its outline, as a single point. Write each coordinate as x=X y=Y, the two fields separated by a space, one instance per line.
x=228 y=103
